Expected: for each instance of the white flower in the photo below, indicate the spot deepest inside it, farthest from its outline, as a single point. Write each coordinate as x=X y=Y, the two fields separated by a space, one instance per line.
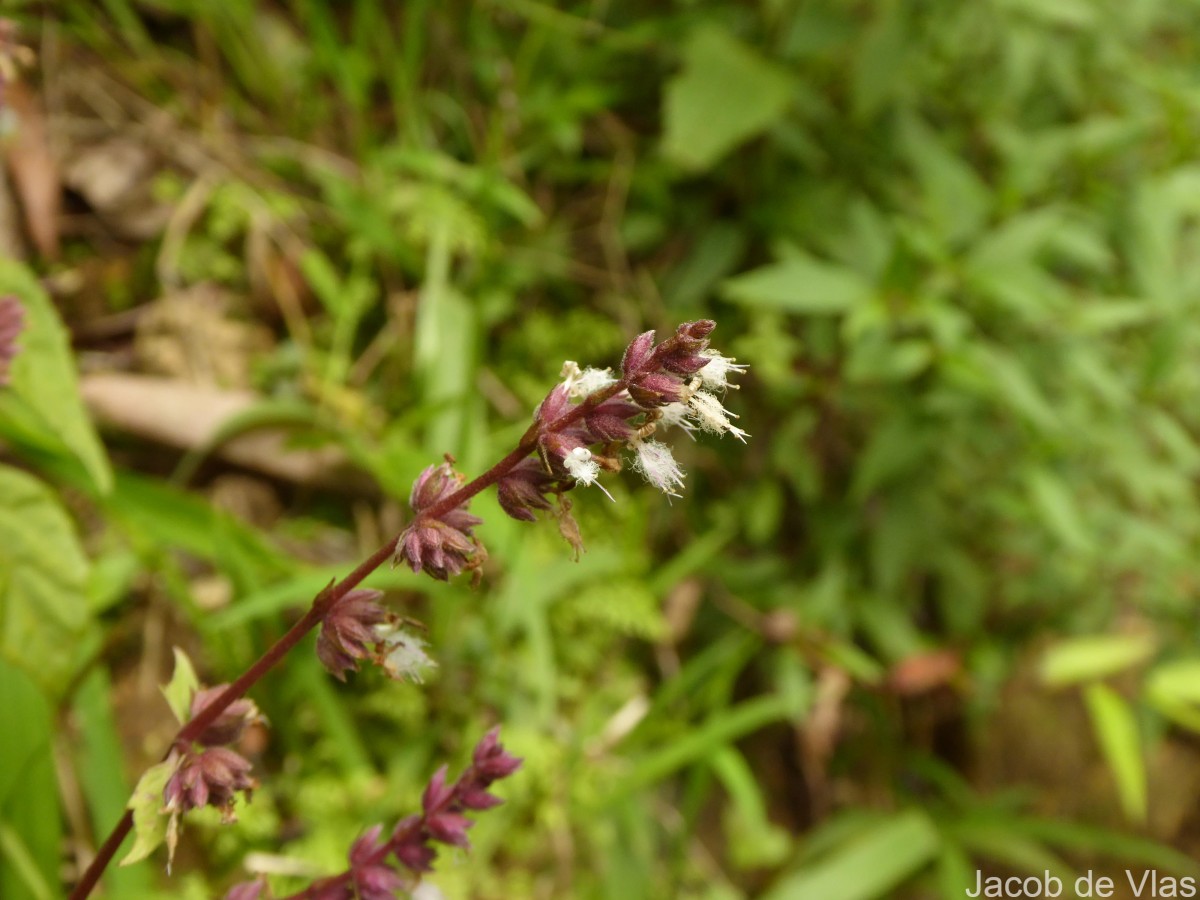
x=710 y=415
x=581 y=384
x=583 y=468
x=406 y=657
x=655 y=462
x=715 y=375
x=676 y=415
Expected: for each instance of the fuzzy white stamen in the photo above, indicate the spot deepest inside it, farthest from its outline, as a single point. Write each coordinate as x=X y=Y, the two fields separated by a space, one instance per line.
x=583 y=468
x=406 y=657
x=583 y=383
x=715 y=375
x=657 y=464
x=676 y=415
x=710 y=415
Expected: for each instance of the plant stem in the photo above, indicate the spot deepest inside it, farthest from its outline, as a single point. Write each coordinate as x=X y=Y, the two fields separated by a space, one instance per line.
x=325 y=600
x=196 y=725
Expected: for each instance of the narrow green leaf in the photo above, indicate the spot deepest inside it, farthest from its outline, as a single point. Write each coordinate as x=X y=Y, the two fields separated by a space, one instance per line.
x=1117 y=731
x=98 y=761
x=15 y=855
x=721 y=728
x=802 y=285
x=42 y=403
x=725 y=94
x=872 y=863
x=1094 y=657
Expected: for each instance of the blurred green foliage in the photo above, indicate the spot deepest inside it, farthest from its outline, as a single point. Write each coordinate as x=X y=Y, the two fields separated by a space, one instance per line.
x=955 y=242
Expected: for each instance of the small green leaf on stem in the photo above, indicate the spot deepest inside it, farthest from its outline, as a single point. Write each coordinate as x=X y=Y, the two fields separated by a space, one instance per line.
x=182 y=687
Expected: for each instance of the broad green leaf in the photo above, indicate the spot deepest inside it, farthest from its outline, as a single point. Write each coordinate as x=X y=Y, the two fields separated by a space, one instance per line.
x=955 y=199
x=803 y=285
x=42 y=404
x=30 y=826
x=1012 y=384
x=45 y=620
x=1117 y=731
x=725 y=95
x=871 y=864
x=1094 y=657
x=150 y=822
x=182 y=687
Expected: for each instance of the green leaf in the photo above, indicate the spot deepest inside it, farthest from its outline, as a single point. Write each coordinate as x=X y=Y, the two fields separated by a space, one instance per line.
x=182 y=687
x=30 y=827
x=1094 y=657
x=42 y=405
x=1117 y=731
x=721 y=728
x=149 y=820
x=98 y=760
x=871 y=864
x=1173 y=689
x=956 y=200
x=753 y=840
x=879 y=62
x=803 y=285
x=725 y=95
x=1058 y=510
x=45 y=621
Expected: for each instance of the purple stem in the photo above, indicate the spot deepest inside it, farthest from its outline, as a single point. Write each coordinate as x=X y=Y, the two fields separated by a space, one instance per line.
x=335 y=592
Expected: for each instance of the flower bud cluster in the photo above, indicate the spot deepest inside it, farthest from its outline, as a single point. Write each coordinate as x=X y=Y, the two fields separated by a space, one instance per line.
x=382 y=869
x=674 y=382
x=357 y=627
x=442 y=545
x=579 y=432
x=207 y=772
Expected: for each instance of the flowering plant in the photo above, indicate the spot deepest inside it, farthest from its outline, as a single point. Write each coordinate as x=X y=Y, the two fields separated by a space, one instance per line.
x=580 y=430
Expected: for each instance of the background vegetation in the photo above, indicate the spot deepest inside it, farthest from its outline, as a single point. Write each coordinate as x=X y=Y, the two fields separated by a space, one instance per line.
x=938 y=616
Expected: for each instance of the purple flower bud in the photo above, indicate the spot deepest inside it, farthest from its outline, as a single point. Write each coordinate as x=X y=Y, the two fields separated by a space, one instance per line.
x=474 y=797
x=696 y=331
x=557 y=402
x=449 y=828
x=522 y=490
x=490 y=760
x=231 y=724
x=374 y=879
x=348 y=631
x=685 y=363
x=555 y=446
x=210 y=777
x=12 y=320
x=437 y=793
x=442 y=545
x=637 y=354
x=247 y=890
x=657 y=389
